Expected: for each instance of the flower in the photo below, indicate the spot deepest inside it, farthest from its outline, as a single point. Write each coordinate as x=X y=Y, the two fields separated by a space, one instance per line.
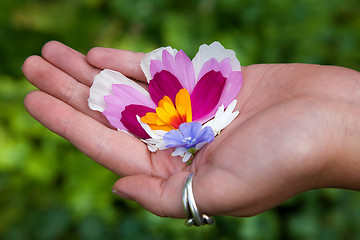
x=190 y=138
x=180 y=91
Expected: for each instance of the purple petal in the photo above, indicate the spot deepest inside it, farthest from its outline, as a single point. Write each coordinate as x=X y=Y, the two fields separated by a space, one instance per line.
x=174 y=139
x=128 y=119
x=205 y=135
x=190 y=129
x=206 y=94
x=164 y=84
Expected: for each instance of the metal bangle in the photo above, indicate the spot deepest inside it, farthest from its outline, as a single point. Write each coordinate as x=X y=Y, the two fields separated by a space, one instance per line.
x=195 y=217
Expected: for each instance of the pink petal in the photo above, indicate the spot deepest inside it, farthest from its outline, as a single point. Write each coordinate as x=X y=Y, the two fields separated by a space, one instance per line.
x=130 y=121
x=164 y=84
x=206 y=94
x=232 y=88
x=224 y=67
x=124 y=95
x=217 y=51
x=113 y=115
x=185 y=71
x=102 y=86
x=179 y=65
x=155 y=67
x=130 y=95
x=154 y=55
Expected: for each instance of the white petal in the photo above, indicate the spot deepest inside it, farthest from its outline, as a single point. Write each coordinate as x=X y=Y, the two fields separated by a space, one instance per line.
x=223 y=118
x=102 y=86
x=180 y=151
x=231 y=106
x=156 y=141
x=152 y=148
x=154 y=55
x=186 y=157
x=158 y=134
x=217 y=51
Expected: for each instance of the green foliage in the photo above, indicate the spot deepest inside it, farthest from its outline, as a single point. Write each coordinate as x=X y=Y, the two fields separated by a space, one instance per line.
x=49 y=190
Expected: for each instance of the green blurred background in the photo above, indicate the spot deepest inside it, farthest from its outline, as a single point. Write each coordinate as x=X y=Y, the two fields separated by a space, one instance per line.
x=49 y=190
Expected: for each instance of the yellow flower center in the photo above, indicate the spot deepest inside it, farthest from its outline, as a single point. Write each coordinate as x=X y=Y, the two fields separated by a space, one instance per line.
x=168 y=116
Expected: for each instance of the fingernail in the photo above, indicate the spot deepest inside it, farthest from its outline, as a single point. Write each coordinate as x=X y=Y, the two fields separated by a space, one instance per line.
x=121 y=194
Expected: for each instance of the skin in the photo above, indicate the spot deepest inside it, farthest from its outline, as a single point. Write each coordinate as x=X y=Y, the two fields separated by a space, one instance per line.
x=297 y=130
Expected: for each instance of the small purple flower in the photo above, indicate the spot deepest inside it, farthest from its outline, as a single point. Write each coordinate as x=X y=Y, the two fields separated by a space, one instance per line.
x=190 y=138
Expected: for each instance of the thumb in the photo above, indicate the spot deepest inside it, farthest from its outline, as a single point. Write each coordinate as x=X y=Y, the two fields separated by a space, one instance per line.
x=161 y=196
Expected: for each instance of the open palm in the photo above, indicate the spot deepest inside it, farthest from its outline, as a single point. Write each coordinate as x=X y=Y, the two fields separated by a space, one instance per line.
x=279 y=145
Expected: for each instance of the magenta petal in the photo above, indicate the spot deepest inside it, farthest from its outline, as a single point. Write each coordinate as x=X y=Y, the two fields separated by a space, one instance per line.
x=164 y=84
x=130 y=121
x=206 y=94
x=231 y=90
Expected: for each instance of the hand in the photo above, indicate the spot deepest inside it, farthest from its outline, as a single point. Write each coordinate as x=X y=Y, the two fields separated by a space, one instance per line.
x=297 y=130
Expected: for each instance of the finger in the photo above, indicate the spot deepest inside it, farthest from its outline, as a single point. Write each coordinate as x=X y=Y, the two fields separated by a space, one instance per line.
x=57 y=83
x=70 y=61
x=126 y=62
x=160 y=196
x=119 y=152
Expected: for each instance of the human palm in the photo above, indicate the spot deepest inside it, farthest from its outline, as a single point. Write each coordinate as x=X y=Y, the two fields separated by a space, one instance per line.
x=278 y=146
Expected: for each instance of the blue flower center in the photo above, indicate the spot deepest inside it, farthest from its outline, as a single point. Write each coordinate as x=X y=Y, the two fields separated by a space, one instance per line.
x=189 y=141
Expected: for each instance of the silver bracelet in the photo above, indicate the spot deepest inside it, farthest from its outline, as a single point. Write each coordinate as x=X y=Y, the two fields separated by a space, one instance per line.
x=192 y=213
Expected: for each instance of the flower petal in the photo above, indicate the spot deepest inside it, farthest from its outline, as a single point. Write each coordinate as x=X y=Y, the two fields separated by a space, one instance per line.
x=123 y=95
x=180 y=151
x=184 y=71
x=222 y=118
x=129 y=119
x=232 y=88
x=154 y=55
x=183 y=105
x=224 y=67
x=174 y=139
x=155 y=67
x=164 y=84
x=102 y=86
x=206 y=95
x=113 y=115
x=177 y=63
x=205 y=135
x=190 y=130
x=217 y=51
x=186 y=157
